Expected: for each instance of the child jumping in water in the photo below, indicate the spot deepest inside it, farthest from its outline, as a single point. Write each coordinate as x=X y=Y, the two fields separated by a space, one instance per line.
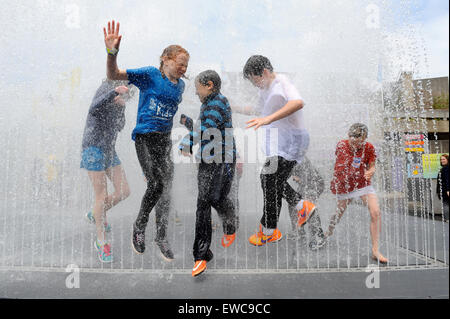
x=234 y=191
x=160 y=93
x=216 y=169
x=311 y=185
x=106 y=118
x=353 y=171
x=281 y=107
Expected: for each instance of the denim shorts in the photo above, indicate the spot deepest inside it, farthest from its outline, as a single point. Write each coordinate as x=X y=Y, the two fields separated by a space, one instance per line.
x=94 y=159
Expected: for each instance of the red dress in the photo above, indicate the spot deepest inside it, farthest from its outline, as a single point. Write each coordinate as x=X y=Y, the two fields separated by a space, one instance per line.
x=350 y=167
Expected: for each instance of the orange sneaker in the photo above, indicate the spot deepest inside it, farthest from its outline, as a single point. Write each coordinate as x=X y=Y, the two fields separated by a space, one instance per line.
x=259 y=239
x=305 y=210
x=227 y=240
x=199 y=267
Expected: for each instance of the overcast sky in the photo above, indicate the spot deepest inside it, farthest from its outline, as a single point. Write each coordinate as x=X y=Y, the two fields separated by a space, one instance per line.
x=435 y=24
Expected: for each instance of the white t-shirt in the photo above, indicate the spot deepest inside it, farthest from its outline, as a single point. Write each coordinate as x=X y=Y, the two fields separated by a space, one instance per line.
x=292 y=139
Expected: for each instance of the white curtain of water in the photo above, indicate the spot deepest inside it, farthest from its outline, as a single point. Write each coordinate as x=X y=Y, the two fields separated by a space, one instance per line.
x=334 y=52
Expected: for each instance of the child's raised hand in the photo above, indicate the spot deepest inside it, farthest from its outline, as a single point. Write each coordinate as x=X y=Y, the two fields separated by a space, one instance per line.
x=112 y=37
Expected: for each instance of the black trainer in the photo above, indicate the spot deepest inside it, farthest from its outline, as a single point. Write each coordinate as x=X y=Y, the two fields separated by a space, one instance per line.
x=166 y=252
x=138 y=241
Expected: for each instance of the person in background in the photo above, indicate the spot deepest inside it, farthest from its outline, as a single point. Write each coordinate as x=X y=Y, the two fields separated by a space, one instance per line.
x=443 y=187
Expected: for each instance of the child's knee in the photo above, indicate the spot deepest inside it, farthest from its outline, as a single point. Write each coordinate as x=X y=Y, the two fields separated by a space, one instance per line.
x=341 y=209
x=122 y=194
x=375 y=214
x=155 y=186
x=125 y=192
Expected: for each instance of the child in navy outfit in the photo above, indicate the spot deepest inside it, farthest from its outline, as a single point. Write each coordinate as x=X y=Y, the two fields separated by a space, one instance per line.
x=217 y=157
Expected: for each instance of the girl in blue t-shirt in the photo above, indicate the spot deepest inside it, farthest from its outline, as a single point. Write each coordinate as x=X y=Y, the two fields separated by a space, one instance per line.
x=160 y=92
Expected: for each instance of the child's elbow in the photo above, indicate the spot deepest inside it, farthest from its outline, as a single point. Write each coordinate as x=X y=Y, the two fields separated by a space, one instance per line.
x=116 y=74
x=296 y=105
x=112 y=76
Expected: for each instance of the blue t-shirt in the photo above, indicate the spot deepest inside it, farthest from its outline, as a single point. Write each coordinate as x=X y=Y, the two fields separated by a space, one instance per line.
x=158 y=100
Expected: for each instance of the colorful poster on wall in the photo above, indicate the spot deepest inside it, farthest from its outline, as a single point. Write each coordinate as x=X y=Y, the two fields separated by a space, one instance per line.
x=431 y=165
x=414 y=170
x=414 y=142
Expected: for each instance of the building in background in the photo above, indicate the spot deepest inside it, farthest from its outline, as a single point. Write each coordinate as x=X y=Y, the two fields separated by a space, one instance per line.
x=416 y=132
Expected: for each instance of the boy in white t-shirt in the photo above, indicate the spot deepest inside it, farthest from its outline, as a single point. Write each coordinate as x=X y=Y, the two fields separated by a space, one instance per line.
x=287 y=140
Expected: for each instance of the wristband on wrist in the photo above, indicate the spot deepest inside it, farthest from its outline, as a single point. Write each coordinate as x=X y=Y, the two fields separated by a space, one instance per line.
x=112 y=51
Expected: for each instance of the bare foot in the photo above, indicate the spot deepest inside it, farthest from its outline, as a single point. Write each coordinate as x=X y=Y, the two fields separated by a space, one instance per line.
x=379 y=257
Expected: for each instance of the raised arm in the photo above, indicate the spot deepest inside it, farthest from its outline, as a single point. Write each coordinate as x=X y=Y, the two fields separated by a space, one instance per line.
x=104 y=95
x=112 y=43
x=289 y=108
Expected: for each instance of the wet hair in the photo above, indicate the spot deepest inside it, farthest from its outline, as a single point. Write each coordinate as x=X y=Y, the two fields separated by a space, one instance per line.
x=446 y=156
x=172 y=51
x=358 y=130
x=255 y=66
x=210 y=75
